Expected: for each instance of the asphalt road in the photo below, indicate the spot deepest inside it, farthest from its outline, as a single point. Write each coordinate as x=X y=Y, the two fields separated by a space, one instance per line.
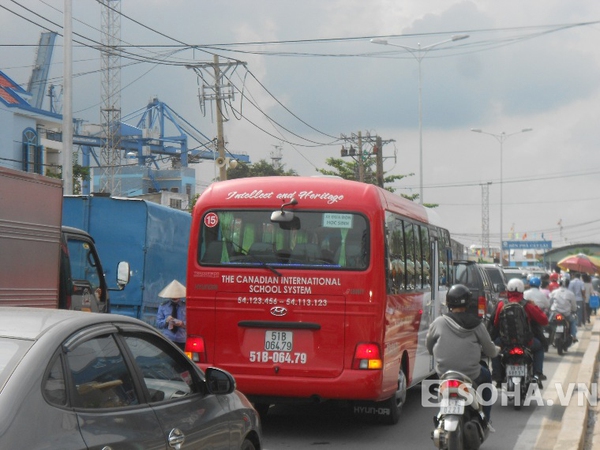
x=333 y=426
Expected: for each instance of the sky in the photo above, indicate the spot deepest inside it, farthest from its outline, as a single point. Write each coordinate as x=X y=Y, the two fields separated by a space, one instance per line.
x=311 y=75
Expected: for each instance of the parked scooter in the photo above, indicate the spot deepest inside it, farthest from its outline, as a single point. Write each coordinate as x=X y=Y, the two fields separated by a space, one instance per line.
x=460 y=423
x=517 y=364
x=559 y=332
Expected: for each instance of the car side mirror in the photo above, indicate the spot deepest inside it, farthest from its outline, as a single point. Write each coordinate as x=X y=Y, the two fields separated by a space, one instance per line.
x=219 y=382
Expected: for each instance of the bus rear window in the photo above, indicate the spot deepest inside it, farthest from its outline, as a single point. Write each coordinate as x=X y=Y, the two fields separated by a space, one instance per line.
x=329 y=240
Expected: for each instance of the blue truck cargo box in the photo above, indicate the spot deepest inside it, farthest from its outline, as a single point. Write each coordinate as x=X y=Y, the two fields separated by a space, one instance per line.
x=151 y=237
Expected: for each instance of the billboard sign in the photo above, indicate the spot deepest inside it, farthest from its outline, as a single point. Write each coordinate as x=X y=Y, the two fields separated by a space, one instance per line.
x=527 y=245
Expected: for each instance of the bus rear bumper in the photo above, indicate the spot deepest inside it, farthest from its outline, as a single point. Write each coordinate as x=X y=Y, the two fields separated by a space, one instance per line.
x=350 y=385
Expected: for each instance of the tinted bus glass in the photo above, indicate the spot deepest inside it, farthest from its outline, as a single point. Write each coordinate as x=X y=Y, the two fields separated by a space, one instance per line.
x=330 y=240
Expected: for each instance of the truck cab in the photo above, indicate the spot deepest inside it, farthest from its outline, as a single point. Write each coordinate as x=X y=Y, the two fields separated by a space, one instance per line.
x=83 y=286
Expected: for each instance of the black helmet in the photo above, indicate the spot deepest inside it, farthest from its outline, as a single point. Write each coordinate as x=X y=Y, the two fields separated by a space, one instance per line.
x=458 y=295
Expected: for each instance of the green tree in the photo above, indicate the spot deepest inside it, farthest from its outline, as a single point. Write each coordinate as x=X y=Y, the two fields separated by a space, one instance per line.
x=348 y=170
x=261 y=168
x=193 y=203
x=80 y=174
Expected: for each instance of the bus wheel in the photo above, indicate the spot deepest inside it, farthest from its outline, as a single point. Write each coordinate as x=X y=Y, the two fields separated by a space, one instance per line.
x=395 y=403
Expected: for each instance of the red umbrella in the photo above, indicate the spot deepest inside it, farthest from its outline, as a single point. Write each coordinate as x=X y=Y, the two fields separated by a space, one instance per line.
x=578 y=263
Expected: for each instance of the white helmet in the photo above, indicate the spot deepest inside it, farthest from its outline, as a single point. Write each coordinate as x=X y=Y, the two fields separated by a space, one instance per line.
x=515 y=285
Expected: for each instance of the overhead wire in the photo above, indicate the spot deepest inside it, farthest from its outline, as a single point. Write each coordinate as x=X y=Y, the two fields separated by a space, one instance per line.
x=261 y=111
x=209 y=49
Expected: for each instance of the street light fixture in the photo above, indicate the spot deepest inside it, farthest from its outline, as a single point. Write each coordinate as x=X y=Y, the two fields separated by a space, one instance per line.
x=419 y=54
x=501 y=138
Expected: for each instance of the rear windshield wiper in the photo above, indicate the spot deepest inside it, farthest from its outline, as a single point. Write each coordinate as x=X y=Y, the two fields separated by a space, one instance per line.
x=254 y=258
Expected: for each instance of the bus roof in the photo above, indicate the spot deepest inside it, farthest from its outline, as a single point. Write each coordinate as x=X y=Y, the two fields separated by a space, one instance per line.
x=311 y=192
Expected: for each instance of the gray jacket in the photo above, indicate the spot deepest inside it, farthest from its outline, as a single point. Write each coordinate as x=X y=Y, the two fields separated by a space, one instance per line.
x=563 y=301
x=456 y=341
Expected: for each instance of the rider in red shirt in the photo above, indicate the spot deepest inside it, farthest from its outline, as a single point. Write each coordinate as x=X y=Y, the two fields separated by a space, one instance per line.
x=535 y=315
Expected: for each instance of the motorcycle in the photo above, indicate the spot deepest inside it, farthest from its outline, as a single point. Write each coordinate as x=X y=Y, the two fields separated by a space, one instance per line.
x=460 y=423
x=517 y=364
x=559 y=332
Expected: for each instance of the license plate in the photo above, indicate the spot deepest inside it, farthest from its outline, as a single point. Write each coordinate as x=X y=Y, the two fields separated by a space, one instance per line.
x=452 y=406
x=279 y=341
x=560 y=328
x=546 y=334
x=516 y=371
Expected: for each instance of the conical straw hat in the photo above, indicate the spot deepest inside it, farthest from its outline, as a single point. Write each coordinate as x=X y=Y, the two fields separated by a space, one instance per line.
x=174 y=290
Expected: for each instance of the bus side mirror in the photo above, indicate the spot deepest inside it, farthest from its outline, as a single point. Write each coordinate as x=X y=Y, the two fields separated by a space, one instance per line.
x=122 y=274
x=282 y=216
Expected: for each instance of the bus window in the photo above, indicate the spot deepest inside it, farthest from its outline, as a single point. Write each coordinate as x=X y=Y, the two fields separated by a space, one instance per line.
x=319 y=238
x=396 y=254
x=425 y=256
x=409 y=237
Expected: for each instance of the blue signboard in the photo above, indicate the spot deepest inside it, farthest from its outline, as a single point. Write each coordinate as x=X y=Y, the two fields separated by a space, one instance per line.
x=527 y=245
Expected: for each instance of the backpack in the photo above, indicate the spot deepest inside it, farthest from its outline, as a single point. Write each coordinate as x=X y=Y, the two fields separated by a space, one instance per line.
x=513 y=326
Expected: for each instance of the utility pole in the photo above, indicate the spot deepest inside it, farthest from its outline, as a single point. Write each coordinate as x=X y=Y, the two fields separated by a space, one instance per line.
x=485 y=217
x=218 y=91
x=218 y=105
x=67 y=124
x=360 y=156
x=361 y=159
x=378 y=149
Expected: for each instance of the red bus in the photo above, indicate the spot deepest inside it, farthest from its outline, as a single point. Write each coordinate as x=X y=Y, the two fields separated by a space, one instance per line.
x=315 y=288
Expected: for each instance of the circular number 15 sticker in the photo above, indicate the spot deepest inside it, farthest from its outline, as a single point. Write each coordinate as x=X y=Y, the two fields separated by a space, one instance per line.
x=211 y=220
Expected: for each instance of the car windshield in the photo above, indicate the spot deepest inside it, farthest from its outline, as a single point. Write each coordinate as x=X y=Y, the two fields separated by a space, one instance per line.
x=496 y=276
x=11 y=352
x=324 y=239
x=463 y=274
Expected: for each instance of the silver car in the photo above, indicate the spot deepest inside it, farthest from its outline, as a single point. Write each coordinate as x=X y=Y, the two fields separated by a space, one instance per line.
x=76 y=380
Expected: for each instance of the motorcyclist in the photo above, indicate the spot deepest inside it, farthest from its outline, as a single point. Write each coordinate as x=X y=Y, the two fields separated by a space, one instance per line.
x=536 y=295
x=564 y=301
x=535 y=315
x=553 y=282
x=457 y=339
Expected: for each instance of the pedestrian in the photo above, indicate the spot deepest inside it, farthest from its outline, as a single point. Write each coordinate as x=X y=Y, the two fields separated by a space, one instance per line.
x=171 y=315
x=588 y=291
x=576 y=287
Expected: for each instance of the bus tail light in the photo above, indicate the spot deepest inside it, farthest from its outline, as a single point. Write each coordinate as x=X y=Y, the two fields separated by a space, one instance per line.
x=195 y=349
x=367 y=356
x=481 y=306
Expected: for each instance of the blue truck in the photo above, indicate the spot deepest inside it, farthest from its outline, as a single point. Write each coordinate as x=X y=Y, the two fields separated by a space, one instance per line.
x=152 y=238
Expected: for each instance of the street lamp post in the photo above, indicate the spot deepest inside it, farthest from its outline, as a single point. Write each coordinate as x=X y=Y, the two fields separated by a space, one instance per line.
x=501 y=138
x=419 y=53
